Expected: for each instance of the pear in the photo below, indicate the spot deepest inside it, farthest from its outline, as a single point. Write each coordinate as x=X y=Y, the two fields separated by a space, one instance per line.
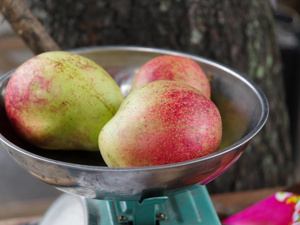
x=60 y=100
x=175 y=68
x=160 y=123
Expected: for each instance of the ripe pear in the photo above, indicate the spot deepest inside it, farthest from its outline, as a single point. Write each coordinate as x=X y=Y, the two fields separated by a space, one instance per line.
x=172 y=67
x=60 y=100
x=160 y=123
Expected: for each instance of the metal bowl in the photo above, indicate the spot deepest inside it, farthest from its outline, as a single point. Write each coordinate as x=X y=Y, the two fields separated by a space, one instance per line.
x=244 y=111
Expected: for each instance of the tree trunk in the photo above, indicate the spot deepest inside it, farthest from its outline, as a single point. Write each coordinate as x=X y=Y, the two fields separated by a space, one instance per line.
x=27 y=26
x=239 y=34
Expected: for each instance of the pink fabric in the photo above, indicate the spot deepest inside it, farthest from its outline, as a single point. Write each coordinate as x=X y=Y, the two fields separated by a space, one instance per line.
x=282 y=208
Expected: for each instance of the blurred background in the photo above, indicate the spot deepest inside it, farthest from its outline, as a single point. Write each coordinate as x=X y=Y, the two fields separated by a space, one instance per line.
x=21 y=194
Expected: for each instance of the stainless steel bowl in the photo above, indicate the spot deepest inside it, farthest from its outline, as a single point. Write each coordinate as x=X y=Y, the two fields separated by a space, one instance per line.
x=244 y=111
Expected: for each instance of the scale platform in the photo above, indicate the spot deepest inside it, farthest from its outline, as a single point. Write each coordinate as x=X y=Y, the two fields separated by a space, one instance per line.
x=189 y=207
x=167 y=194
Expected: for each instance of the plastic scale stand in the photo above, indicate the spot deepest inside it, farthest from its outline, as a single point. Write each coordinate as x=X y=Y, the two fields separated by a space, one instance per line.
x=190 y=207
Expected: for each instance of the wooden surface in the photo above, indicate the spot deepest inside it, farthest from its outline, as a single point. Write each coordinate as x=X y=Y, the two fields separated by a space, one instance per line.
x=31 y=220
x=36 y=207
x=231 y=203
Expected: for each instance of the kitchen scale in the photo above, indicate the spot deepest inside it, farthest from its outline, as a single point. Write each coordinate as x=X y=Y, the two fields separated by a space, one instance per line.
x=174 y=194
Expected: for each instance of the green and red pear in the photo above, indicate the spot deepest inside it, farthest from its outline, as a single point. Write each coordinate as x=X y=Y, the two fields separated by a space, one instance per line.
x=61 y=100
x=174 y=68
x=160 y=123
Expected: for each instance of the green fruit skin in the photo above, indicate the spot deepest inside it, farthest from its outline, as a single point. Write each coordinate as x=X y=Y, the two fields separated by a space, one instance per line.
x=61 y=100
x=161 y=123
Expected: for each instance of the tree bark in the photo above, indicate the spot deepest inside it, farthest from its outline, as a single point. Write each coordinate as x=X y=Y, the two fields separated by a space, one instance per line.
x=27 y=26
x=239 y=34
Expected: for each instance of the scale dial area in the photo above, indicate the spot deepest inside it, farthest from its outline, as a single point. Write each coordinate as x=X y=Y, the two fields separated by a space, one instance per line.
x=243 y=107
